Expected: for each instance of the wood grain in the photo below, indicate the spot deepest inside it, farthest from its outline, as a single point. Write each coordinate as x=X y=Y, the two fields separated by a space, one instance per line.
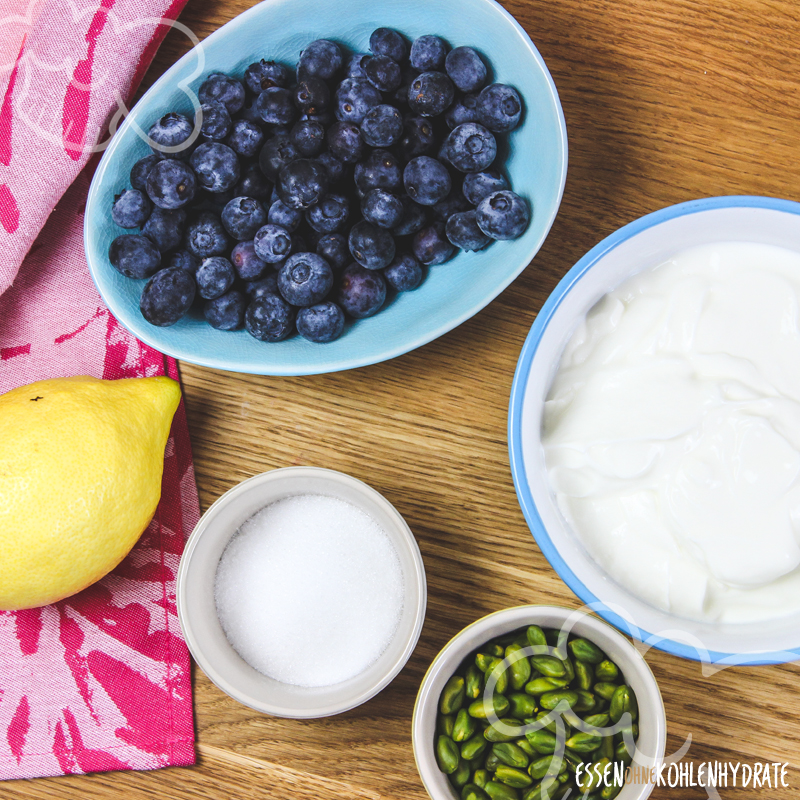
x=665 y=101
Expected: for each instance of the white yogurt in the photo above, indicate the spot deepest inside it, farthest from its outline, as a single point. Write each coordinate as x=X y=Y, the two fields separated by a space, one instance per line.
x=672 y=433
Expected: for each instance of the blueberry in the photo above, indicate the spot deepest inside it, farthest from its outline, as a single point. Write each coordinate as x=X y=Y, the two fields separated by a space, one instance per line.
x=269 y=318
x=320 y=323
x=430 y=94
x=321 y=59
x=464 y=109
x=266 y=74
x=276 y=153
x=214 y=120
x=216 y=165
x=226 y=312
x=371 y=246
x=383 y=73
x=245 y=138
x=388 y=42
x=431 y=245
x=170 y=136
x=361 y=291
x=266 y=285
x=171 y=184
x=334 y=167
x=164 y=228
x=253 y=183
x=308 y=137
x=382 y=208
x=463 y=231
x=272 y=243
x=280 y=214
x=141 y=169
x=345 y=142
x=131 y=209
x=413 y=218
x=134 y=255
x=329 y=214
x=206 y=236
x=418 y=137
x=503 y=215
x=305 y=279
x=302 y=183
x=404 y=273
x=354 y=97
x=428 y=53
x=214 y=277
x=426 y=180
x=452 y=204
x=466 y=69
x=379 y=170
x=219 y=88
x=382 y=126
x=478 y=185
x=499 y=108
x=242 y=217
x=312 y=96
x=275 y=107
x=247 y=263
x=167 y=296
x=355 y=66
x=185 y=260
x=470 y=147
x=333 y=248
x=248 y=111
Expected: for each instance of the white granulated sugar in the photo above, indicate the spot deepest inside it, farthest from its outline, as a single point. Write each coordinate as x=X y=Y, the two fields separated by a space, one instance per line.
x=309 y=590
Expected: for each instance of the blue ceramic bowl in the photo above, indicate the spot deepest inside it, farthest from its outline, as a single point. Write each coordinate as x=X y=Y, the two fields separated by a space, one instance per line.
x=647 y=242
x=452 y=292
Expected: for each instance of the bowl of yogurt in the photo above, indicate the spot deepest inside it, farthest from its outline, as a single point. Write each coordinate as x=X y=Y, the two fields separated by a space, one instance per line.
x=654 y=429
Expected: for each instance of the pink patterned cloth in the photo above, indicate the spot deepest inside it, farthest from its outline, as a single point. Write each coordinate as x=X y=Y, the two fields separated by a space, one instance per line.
x=100 y=681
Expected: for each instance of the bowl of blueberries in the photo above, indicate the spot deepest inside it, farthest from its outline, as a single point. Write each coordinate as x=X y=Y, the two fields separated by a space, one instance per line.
x=315 y=188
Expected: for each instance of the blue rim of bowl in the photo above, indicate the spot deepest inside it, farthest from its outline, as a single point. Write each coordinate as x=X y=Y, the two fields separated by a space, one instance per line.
x=425 y=338
x=519 y=386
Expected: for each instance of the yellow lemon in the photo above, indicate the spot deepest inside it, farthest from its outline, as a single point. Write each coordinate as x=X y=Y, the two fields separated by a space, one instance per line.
x=80 y=478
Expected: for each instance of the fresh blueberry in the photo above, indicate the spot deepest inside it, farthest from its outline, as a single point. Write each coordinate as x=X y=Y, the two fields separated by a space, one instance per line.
x=214 y=277
x=383 y=73
x=379 y=170
x=329 y=214
x=171 y=136
x=464 y=109
x=248 y=111
x=355 y=65
x=171 y=184
x=134 y=255
x=399 y=98
x=305 y=279
x=141 y=169
x=276 y=153
x=214 y=120
x=503 y=215
x=466 y=69
x=247 y=263
x=312 y=96
x=470 y=147
x=333 y=248
x=219 y=88
x=266 y=74
x=131 y=209
x=413 y=218
x=320 y=323
x=382 y=208
x=216 y=165
x=321 y=59
x=280 y=214
x=354 y=97
x=302 y=183
x=463 y=231
x=275 y=107
x=185 y=260
x=431 y=245
x=226 y=312
x=499 y=108
x=245 y=138
x=164 y=228
x=418 y=137
x=426 y=180
x=478 y=185
x=167 y=296
x=428 y=53
x=266 y=285
x=334 y=167
x=452 y=204
x=404 y=273
x=361 y=291
x=382 y=126
x=345 y=142
x=242 y=217
x=272 y=243
x=206 y=236
x=388 y=42
x=269 y=318
x=371 y=246
x=430 y=93
x=253 y=183
x=308 y=137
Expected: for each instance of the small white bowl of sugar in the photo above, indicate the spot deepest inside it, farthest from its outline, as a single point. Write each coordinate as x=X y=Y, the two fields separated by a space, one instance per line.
x=301 y=592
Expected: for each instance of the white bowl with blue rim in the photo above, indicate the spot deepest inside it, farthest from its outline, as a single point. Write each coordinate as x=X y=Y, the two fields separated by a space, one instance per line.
x=453 y=292
x=642 y=244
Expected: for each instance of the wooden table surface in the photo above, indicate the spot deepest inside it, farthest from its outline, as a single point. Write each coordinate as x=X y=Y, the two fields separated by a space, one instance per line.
x=665 y=101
